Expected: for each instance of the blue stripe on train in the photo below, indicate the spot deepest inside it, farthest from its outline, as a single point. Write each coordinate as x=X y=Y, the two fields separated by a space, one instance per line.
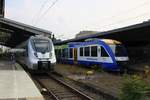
x=107 y=66
x=109 y=50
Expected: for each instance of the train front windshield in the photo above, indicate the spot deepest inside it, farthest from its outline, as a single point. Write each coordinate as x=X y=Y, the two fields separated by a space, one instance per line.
x=119 y=50
x=42 y=45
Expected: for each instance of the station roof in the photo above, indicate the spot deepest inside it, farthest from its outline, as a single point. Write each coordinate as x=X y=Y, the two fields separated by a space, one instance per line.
x=130 y=35
x=18 y=32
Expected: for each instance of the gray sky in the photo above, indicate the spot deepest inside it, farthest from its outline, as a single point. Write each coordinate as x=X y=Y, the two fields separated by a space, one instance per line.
x=67 y=17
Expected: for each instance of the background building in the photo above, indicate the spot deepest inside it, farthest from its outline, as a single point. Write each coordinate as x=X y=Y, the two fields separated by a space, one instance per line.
x=85 y=33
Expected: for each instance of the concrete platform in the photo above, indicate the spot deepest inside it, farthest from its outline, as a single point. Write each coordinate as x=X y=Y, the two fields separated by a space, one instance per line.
x=15 y=84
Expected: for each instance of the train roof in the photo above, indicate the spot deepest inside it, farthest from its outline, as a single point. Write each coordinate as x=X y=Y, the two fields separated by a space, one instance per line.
x=87 y=42
x=39 y=37
x=95 y=41
x=110 y=41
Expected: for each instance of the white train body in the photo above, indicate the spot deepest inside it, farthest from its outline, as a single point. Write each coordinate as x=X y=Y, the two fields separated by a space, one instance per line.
x=39 y=54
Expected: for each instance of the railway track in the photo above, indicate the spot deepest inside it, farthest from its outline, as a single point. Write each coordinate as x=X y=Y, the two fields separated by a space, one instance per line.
x=56 y=89
x=93 y=92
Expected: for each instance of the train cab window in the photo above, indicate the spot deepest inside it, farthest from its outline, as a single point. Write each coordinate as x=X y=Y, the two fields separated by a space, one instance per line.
x=120 y=51
x=70 y=53
x=94 y=51
x=41 y=45
x=87 y=51
x=81 y=51
x=103 y=52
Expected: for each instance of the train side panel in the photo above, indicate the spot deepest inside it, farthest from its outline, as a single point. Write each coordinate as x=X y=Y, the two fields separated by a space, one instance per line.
x=102 y=53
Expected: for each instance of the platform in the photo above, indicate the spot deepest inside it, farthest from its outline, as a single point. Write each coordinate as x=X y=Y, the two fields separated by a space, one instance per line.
x=15 y=84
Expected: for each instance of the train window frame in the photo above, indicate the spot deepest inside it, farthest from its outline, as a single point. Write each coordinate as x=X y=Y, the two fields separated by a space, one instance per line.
x=33 y=41
x=94 y=52
x=102 y=48
x=67 y=52
x=88 y=51
x=82 y=51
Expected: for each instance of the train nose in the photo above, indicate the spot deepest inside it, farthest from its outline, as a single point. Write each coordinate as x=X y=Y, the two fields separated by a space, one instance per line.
x=43 y=55
x=122 y=62
x=43 y=52
x=44 y=65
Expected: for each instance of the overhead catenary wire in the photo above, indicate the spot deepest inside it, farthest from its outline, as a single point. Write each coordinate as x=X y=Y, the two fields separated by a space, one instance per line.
x=127 y=19
x=39 y=11
x=43 y=14
x=126 y=11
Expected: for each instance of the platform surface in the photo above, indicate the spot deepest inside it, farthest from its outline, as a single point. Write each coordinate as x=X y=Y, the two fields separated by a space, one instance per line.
x=16 y=84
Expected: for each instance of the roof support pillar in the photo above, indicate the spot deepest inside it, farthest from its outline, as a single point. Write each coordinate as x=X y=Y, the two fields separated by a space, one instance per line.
x=2 y=8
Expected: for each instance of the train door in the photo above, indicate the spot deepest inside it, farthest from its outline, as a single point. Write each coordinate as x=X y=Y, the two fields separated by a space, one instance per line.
x=75 y=55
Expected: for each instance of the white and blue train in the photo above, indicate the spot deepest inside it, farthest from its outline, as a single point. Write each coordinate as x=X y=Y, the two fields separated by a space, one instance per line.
x=39 y=54
x=105 y=53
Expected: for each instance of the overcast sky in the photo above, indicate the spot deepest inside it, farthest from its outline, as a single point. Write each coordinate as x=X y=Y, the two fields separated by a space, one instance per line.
x=67 y=17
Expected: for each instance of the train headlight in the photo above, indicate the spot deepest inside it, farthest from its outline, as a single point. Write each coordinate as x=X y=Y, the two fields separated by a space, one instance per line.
x=35 y=54
x=50 y=54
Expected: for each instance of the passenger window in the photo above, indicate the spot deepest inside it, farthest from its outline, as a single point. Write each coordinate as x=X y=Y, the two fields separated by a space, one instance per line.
x=70 y=53
x=103 y=52
x=66 y=52
x=81 y=51
x=87 y=51
x=94 y=51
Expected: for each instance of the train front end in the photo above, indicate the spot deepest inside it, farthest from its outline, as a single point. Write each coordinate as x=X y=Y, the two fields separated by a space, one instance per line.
x=120 y=54
x=41 y=54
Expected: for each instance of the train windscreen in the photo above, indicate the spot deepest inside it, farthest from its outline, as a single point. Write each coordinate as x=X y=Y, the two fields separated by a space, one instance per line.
x=119 y=50
x=42 y=45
